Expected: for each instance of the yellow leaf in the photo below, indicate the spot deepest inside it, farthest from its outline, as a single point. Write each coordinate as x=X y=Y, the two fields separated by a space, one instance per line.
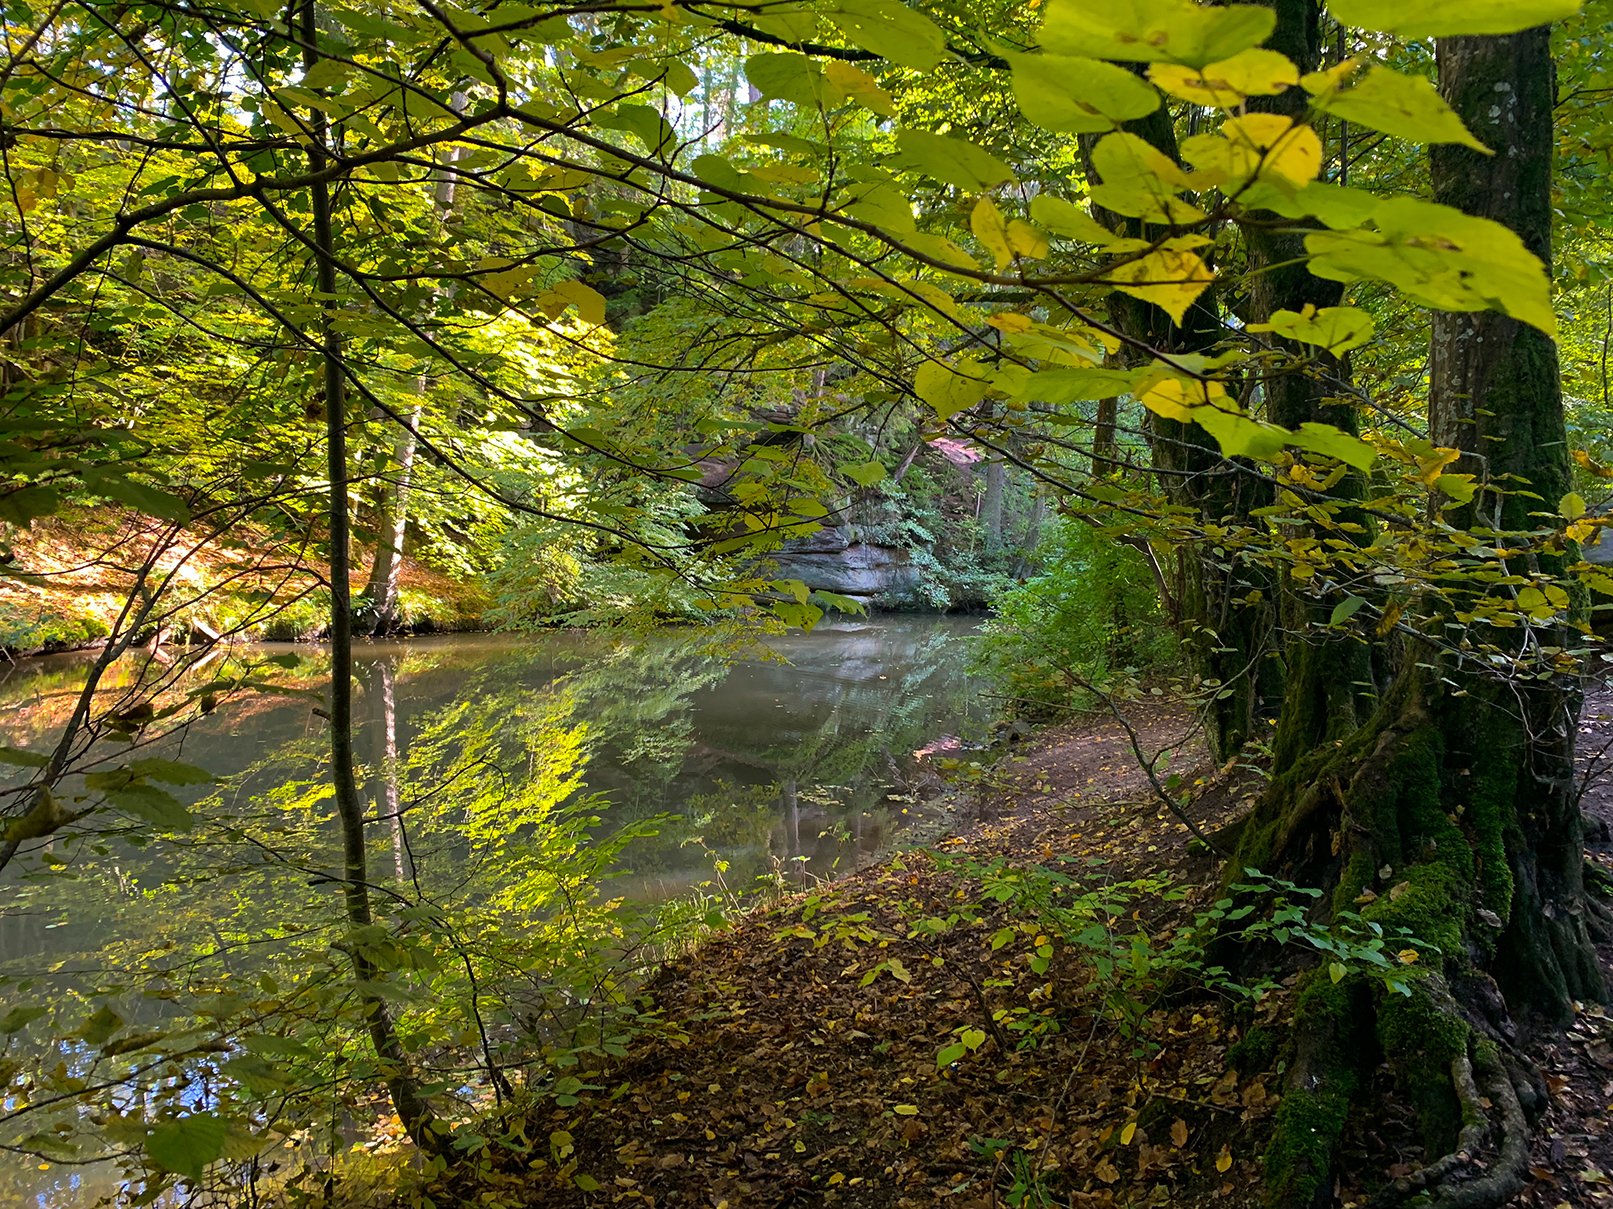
x=1254 y=73
x=986 y=221
x=1585 y=462
x=906 y=1110
x=857 y=85
x=1170 y=279
x=1009 y=321
x=1571 y=507
x=1128 y=1133
x=1408 y=956
x=590 y=303
x=1266 y=145
x=1223 y=1161
x=1025 y=241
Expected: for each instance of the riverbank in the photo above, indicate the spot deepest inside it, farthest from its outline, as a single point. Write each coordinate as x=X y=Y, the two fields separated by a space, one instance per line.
x=916 y=1034
x=911 y=1035
x=73 y=573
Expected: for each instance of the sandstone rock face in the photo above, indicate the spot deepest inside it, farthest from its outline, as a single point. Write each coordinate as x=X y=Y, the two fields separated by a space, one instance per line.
x=833 y=560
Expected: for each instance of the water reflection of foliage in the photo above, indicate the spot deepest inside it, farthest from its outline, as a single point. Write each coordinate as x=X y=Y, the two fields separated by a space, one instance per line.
x=500 y=958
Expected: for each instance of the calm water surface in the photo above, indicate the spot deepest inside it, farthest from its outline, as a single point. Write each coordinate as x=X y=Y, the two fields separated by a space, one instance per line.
x=798 y=758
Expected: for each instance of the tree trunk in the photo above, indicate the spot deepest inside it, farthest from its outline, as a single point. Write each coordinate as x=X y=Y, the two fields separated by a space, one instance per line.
x=413 y=1110
x=991 y=507
x=1327 y=687
x=384 y=610
x=1225 y=614
x=1449 y=811
x=384 y=793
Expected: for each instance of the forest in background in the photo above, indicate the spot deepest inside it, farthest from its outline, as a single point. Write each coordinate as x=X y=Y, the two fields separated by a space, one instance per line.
x=1258 y=350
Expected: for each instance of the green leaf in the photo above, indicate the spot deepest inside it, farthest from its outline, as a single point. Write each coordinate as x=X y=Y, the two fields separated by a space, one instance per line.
x=1342 y=612
x=1071 y=221
x=149 y=500
x=892 y=31
x=952 y=161
x=1571 y=507
x=951 y=1053
x=865 y=474
x=100 y=1026
x=23 y=505
x=1060 y=386
x=171 y=772
x=1079 y=96
x=643 y=123
x=788 y=77
x=1335 y=328
x=716 y=170
x=27 y=759
x=1407 y=107
x=1336 y=971
x=884 y=205
x=1441 y=18
x=1333 y=443
x=187 y=1145
x=156 y=806
x=1442 y=258
x=946 y=390
x=586 y=1182
x=18 y=1017
x=1155 y=31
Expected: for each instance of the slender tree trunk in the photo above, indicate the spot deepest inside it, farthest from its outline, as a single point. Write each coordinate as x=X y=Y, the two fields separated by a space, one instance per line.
x=991 y=506
x=382 y=695
x=1449 y=811
x=384 y=610
x=413 y=1110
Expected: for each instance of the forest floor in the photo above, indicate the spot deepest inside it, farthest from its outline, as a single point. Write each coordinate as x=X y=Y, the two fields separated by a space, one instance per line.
x=799 y=1063
x=80 y=570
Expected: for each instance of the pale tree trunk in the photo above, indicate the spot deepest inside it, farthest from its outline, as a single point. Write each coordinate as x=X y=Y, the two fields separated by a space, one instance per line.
x=991 y=506
x=383 y=613
x=384 y=790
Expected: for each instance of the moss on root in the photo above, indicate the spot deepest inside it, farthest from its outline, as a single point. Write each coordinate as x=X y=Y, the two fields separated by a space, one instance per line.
x=1327 y=1072
x=1421 y=1041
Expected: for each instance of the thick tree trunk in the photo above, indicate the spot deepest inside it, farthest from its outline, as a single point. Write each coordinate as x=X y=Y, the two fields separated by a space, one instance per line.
x=1448 y=812
x=1327 y=687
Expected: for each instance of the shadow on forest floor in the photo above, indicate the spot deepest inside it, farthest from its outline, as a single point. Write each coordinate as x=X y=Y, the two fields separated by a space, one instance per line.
x=799 y=1080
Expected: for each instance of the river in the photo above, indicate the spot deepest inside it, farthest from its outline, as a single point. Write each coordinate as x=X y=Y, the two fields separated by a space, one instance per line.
x=796 y=760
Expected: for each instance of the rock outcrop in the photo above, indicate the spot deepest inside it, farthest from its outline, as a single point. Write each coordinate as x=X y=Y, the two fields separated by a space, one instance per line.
x=835 y=560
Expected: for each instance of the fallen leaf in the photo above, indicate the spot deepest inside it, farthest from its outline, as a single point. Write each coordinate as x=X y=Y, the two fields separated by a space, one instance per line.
x=906 y=1110
x=1223 y=1162
x=1106 y=1171
x=1179 y=1133
x=1128 y=1133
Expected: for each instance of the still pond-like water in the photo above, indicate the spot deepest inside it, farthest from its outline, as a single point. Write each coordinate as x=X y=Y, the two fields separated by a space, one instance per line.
x=797 y=758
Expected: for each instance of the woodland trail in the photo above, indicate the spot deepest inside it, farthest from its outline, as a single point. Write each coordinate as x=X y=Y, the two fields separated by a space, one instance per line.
x=788 y=1077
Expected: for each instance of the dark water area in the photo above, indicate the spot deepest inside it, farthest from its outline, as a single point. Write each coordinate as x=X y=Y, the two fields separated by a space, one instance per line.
x=796 y=759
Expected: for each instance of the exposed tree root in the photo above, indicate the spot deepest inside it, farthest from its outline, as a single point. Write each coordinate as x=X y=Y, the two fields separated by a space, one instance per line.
x=1504 y=1178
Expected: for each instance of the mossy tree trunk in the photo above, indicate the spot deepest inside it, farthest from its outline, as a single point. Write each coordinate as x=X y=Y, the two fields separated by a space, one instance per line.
x=1450 y=810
